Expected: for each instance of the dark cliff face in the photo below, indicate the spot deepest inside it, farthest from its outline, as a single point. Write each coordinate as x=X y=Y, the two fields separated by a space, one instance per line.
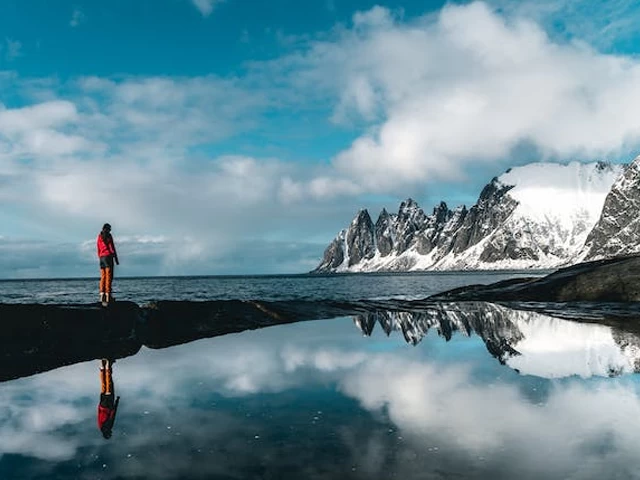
x=445 y=240
x=385 y=233
x=618 y=229
x=333 y=255
x=361 y=238
x=491 y=210
x=430 y=236
x=410 y=221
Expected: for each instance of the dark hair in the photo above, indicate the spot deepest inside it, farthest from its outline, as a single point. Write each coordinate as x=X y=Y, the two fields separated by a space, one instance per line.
x=106 y=232
x=106 y=433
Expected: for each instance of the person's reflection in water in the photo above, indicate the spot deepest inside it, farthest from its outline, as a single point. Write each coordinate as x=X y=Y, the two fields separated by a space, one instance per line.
x=108 y=405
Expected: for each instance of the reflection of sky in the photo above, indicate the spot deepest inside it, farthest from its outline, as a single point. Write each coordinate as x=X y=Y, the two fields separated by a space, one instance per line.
x=314 y=400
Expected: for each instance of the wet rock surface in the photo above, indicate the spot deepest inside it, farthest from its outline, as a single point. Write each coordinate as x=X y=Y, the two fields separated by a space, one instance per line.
x=613 y=280
x=38 y=338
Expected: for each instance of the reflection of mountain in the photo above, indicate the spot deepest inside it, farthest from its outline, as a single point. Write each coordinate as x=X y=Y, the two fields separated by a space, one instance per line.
x=529 y=342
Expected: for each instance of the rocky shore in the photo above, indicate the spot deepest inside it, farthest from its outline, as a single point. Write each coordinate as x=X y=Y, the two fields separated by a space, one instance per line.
x=611 y=280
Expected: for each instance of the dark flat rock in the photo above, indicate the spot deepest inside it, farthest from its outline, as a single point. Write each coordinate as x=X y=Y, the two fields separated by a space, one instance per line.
x=38 y=338
x=612 y=280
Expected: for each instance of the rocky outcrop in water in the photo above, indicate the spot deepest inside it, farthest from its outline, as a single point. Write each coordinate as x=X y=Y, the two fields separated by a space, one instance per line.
x=611 y=280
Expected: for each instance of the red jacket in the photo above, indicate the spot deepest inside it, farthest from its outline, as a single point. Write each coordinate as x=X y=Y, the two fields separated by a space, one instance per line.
x=105 y=414
x=106 y=248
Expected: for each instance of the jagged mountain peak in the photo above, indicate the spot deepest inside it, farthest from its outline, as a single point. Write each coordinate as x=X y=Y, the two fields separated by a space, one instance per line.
x=442 y=206
x=409 y=209
x=408 y=204
x=494 y=188
x=361 y=216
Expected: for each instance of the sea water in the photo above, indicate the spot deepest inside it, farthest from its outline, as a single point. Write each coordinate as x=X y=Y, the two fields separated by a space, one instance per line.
x=407 y=286
x=520 y=395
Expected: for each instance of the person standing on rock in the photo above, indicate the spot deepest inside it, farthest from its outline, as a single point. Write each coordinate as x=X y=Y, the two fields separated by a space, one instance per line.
x=107 y=255
x=108 y=406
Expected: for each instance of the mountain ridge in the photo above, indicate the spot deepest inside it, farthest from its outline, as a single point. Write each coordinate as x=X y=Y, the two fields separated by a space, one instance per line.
x=536 y=216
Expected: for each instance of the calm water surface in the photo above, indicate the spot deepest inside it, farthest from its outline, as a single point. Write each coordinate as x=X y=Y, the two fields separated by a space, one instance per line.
x=474 y=391
x=279 y=287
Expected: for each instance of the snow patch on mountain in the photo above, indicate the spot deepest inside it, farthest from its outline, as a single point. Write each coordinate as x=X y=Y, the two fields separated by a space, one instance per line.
x=560 y=195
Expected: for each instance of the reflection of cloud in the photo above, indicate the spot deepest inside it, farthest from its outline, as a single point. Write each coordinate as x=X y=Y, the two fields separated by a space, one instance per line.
x=170 y=424
x=447 y=403
x=324 y=360
x=35 y=409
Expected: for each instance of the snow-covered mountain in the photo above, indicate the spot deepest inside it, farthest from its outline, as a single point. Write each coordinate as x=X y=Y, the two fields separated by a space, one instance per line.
x=529 y=342
x=540 y=215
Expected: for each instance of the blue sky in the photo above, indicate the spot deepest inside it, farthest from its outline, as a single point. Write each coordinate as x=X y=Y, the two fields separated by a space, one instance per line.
x=237 y=136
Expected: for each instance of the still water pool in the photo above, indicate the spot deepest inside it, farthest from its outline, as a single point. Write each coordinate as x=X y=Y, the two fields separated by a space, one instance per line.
x=463 y=391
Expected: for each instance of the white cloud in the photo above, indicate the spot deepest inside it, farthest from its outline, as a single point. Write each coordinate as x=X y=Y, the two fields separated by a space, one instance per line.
x=77 y=17
x=206 y=6
x=41 y=130
x=467 y=85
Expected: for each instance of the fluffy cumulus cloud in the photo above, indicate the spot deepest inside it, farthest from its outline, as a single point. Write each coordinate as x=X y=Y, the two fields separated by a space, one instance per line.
x=467 y=85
